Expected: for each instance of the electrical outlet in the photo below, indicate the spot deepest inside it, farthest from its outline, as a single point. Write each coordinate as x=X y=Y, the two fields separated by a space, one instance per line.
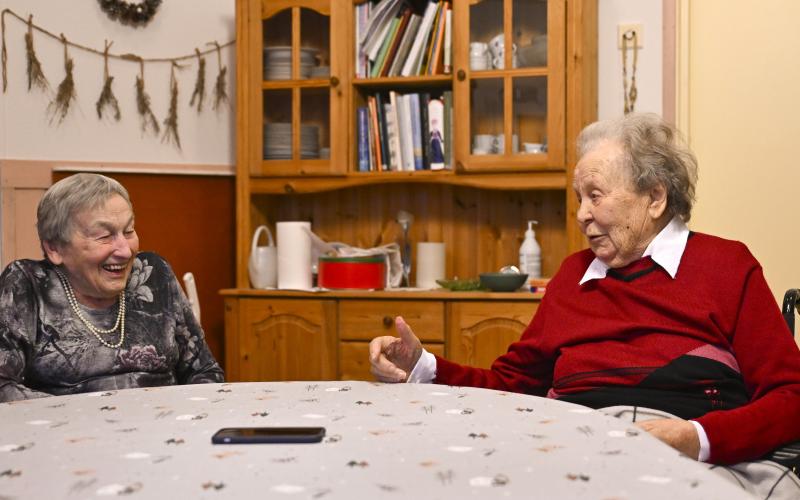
x=622 y=29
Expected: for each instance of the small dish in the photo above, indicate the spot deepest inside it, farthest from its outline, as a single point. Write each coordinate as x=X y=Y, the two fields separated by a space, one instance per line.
x=503 y=282
x=456 y=285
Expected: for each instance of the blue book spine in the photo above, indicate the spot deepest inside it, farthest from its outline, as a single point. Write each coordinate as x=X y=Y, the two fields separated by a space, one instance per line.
x=363 y=139
x=416 y=130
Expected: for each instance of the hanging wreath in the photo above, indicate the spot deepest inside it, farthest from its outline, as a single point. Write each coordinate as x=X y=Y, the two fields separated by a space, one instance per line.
x=131 y=13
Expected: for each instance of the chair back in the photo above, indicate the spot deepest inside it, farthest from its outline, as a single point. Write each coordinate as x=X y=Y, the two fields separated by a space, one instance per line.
x=790 y=302
x=191 y=294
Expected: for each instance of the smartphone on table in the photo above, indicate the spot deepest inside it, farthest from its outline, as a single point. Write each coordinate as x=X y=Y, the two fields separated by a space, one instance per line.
x=251 y=435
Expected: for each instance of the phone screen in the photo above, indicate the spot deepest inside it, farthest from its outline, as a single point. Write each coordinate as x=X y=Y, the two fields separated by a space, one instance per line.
x=248 y=435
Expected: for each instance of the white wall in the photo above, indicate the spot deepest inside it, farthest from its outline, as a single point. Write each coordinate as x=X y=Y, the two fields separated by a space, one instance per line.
x=177 y=28
x=609 y=57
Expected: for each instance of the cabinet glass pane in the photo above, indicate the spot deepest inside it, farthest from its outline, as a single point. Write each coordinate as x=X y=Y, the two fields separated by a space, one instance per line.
x=486 y=115
x=277 y=124
x=530 y=114
x=278 y=46
x=530 y=32
x=315 y=35
x=486 y=35
x=314 y=120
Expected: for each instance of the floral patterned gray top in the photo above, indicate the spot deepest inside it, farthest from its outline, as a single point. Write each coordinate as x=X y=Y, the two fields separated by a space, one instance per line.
x=46 y=350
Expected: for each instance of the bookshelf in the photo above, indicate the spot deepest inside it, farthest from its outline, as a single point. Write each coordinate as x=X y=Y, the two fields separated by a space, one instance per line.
x=297 y=146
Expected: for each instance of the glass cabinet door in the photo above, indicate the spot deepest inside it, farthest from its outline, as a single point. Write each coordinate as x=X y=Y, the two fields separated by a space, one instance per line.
x=510 y=82
x=301 y=94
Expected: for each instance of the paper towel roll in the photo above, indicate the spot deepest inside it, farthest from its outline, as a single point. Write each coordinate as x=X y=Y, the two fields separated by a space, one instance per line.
x=294 y=255
x=430 y=264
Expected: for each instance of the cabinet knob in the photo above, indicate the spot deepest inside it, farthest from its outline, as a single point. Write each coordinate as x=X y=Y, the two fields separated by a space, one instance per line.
x=461 y=75
x=334 y=81
x=388 y=321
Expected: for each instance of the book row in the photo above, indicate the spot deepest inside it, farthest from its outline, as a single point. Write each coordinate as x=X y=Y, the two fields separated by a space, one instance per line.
x=405 y=132
x=392 y=39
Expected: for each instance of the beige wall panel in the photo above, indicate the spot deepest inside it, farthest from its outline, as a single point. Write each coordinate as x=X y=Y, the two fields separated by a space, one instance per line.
x=26 y=238
x=740 y=95
x=22 y=185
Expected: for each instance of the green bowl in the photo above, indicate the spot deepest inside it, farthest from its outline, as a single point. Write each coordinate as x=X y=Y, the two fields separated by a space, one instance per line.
x=503 y=282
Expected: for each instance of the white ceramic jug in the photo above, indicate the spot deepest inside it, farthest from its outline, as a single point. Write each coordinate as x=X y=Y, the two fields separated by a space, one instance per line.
x=263 y=261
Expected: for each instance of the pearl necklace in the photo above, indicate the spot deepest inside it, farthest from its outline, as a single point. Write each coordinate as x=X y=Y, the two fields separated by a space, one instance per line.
x=96 y=331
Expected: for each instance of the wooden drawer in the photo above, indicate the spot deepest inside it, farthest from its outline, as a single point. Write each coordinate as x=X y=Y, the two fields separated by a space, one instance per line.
x=280 y=339
x=354 y=359
x=367 y=319
x=482 y=331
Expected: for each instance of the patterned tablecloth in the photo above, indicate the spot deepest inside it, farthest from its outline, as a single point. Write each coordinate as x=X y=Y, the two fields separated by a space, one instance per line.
x=383 y=441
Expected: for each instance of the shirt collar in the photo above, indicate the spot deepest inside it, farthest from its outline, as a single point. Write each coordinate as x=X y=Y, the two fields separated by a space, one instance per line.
x=666 y=250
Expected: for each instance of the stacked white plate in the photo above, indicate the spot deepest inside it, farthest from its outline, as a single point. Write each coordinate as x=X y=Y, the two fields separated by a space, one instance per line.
x=278 y=141
x=278 y=62
x=321 y=72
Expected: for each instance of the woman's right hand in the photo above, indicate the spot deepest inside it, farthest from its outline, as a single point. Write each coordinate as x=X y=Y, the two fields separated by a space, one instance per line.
x=393 y=358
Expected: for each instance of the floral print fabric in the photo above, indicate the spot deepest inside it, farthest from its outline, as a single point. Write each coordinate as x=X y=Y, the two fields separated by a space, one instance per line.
x=46 y=350
x=382 y=441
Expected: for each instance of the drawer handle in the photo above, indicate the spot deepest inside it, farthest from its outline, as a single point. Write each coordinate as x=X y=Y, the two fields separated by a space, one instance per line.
x=388 y=321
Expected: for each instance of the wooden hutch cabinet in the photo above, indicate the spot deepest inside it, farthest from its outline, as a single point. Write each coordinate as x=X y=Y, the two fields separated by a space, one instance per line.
x=298 y=96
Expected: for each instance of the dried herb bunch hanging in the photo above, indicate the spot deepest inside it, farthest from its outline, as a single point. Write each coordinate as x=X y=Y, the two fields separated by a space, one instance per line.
x=143 y=104
x=221 y=86
x=65 y=94
x=4 y=52
x=36 y=76
x=200 y=83
x=171 y=121
x=107 y=97
x=64 y=98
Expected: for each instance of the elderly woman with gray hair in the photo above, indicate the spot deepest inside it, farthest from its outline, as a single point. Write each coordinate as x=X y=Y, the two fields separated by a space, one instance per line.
x=95 y=315
x=673 y=329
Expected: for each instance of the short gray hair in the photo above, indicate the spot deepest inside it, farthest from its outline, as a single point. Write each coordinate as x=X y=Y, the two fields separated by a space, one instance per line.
x=68 y=197
x=653 y=153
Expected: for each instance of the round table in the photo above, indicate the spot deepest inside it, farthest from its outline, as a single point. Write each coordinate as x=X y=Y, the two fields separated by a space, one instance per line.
x=383 y=441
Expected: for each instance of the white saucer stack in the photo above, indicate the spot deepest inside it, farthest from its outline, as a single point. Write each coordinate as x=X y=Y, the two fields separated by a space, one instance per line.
x=278 y=141
x=278 y=62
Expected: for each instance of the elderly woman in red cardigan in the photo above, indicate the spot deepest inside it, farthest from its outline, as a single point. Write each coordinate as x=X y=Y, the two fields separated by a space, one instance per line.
x=672 y=328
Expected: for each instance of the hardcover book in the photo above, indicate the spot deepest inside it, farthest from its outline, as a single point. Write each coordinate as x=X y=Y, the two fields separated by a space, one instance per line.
x=413 y=61
x=416 y=129
x=363 y=140
x=436 y=126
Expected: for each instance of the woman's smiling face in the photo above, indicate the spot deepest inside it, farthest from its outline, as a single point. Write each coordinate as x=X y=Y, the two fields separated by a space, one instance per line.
x=99 y=256
x=618 y=222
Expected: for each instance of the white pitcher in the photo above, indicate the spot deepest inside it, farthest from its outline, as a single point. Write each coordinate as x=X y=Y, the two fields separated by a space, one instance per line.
x=263 y=261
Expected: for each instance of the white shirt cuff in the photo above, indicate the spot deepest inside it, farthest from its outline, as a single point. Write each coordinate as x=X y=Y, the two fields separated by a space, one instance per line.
x=705 y=446
x=425 y=370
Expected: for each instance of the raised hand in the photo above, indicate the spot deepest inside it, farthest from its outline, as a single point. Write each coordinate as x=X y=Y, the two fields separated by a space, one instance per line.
x=393 y=358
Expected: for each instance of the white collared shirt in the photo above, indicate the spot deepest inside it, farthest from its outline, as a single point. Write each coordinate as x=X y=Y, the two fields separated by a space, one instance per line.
x=666 y=250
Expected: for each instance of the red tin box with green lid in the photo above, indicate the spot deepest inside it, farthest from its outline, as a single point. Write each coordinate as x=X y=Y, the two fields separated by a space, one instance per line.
x=355 y=272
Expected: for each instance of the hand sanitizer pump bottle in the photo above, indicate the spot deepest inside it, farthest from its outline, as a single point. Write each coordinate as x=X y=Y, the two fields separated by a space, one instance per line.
x=530 y=254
